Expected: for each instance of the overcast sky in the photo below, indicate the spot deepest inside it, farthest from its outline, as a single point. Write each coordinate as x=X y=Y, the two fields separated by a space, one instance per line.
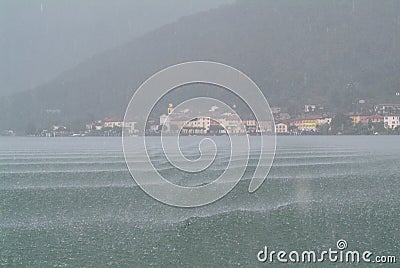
x=39 y=39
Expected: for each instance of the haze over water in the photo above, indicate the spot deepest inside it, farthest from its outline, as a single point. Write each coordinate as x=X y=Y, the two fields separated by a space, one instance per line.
x=72 y=202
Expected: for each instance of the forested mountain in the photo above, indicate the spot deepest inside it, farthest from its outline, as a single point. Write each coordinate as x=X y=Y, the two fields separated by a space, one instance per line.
x=310 y=51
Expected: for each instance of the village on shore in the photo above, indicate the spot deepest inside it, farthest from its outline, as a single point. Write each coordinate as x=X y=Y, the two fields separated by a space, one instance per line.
x=379 y=119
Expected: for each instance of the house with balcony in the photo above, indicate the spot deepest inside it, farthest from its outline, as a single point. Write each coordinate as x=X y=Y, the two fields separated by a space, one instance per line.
x=392 y=121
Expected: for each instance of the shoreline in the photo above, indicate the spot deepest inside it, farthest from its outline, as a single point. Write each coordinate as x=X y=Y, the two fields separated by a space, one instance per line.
x=277 y=135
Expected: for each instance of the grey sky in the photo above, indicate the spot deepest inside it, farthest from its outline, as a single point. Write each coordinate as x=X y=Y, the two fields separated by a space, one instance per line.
x=39 y=39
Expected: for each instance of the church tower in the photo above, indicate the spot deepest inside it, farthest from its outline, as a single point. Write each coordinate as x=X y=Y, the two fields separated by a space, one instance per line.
x=170 y=108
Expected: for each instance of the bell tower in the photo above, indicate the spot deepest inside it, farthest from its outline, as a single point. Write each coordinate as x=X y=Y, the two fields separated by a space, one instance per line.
x=170 y=108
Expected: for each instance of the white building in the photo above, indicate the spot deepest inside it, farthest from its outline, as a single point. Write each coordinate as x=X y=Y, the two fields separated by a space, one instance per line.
x=164 y=123
x=392 y=121
x=275 y=110
x=310 y=108
x=281 y=128
x=129 y=127
x=112 y=124
x=198 y=125
x=258 y=127
x=388 y=109
x=265 y=126
x=324 y=120
x=233 y=124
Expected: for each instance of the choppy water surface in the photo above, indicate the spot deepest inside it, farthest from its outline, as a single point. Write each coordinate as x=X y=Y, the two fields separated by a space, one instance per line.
x=72 y=202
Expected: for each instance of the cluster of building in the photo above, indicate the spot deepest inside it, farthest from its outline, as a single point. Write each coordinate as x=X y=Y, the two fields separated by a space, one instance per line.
x=106 y=127
x=386 y=114
x=113 y=126
x=391 y=113
x=216 y=124
x=310 y=121
x=7 y=133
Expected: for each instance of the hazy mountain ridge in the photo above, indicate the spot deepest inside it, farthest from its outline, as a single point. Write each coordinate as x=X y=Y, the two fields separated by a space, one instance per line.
x=42 y=38
x=329 y=52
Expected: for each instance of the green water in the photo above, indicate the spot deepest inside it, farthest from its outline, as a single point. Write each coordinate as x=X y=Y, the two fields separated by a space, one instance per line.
x=70 y=202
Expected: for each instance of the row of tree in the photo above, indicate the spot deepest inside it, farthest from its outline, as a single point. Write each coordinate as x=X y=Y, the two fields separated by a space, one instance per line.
x=342 y=124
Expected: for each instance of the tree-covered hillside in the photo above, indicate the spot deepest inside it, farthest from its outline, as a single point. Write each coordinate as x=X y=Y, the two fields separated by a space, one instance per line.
x=311 y=51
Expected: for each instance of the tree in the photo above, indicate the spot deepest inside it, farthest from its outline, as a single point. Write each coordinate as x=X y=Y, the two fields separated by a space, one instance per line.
x=370 y=125
x=77 y=125
x=361 y=129
x=323 y=129
x=379 y=127
x=31 y=129
x=341 y=123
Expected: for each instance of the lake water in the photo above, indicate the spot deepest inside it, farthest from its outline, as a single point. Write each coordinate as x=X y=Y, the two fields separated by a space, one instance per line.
x=72 y=202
